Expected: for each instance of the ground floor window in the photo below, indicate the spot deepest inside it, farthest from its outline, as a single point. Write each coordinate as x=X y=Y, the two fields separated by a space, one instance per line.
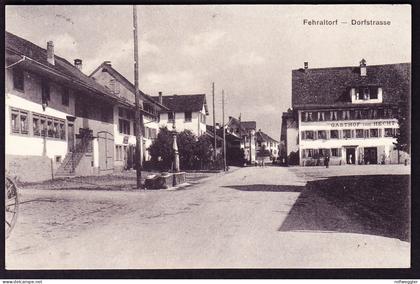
x=335 y=152
x=19 y=121
x=390 y=132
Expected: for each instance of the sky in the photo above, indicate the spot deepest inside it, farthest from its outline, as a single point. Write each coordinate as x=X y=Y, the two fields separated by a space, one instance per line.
x=249 y=51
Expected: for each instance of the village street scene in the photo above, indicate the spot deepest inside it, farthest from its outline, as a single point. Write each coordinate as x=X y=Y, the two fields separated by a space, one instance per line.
x=150 y=137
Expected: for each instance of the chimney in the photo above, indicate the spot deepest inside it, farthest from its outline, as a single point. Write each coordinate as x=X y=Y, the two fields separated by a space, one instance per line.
x=78 y=64
x=305 y=65
x=160 y=98
x=50 y=52
x=363 y=71
x=107 y=63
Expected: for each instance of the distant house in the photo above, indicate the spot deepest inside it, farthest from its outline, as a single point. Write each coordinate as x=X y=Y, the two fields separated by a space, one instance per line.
x=245 y=131
x=265 y=142
x=57 y=120
x=123 y=114
x=347 y=113
x=187 y=111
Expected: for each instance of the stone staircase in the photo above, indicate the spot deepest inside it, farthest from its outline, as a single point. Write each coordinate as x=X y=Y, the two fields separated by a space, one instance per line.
x=72 y=159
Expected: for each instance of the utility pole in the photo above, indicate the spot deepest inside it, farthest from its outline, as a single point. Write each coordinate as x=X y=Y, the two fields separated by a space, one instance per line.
x=223 y=128
x=138 y=116
x=214 y=125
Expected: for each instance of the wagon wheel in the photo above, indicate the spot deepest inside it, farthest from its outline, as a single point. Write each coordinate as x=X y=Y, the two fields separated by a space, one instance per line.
x=11 y=199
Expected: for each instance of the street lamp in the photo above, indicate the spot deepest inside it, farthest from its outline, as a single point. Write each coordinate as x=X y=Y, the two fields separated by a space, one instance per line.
x=175 y=146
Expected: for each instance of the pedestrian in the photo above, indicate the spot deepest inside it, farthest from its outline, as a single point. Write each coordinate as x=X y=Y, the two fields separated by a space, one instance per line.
x=350 y=159
x=327 y=161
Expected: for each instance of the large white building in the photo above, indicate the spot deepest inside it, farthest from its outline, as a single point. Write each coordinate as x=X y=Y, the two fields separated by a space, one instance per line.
x=57 y=120
x=189 y=112
x=123 y=114
x=346 y=113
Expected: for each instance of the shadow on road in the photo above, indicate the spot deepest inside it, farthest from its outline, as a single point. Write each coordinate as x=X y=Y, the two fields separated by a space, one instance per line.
x=267 y=187
x=369 y=204
x=374 y=204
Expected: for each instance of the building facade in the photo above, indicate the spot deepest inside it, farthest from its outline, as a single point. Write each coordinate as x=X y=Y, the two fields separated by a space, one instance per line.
x=58 y=121
x=268 y=145
x=189 y=112
x=245 y=131
x=123 y=114
x=349 y=113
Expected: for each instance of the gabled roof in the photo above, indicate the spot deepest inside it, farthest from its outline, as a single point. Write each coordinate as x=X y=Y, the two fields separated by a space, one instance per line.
x=38 y=55
x=330 y=86
x=184 y=103
x=263 y=137
x=245 y=125
x=105 y=66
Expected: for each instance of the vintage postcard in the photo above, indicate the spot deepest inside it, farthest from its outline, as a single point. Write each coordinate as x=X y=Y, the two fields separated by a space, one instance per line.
x=207 y=136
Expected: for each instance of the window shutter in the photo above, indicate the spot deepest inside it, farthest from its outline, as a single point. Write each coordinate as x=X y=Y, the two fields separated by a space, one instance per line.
x=380 y=132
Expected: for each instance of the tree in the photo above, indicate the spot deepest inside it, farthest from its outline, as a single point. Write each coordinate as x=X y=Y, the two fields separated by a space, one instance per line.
x=161 y=149
x=186 y=147
x=194 y=153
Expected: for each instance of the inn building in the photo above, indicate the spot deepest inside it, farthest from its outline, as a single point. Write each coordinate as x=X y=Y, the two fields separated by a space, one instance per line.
x=347 y=113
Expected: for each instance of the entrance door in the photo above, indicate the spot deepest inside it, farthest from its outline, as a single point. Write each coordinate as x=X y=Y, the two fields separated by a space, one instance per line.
x=106 y=150
x=371 y=155
x=70 y=137
x=350 y=156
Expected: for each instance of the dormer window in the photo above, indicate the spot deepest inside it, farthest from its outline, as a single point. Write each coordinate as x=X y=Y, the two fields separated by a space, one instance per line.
x=366 y=94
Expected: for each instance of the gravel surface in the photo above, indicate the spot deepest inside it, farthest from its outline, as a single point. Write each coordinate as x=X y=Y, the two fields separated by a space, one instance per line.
x=249 y=218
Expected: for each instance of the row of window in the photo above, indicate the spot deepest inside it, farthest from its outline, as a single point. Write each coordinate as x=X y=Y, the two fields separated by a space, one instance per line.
x=348 y=114
x=315 y=153
x=41 y=125
x=348 y=133
x=187 y=116
x=19 y=84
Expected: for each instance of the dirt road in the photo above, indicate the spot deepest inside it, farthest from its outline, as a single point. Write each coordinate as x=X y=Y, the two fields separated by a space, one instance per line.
x=250 y=218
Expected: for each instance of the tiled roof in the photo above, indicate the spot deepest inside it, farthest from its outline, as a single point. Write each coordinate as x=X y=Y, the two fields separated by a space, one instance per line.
x=38 y=54
x=330 y=86
x=130 y=86
x=261 y=136
x=248 y=125
x=245 y=125
x=183 y=103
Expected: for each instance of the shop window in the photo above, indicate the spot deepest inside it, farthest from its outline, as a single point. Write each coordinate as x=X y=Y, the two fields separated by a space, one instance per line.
x=359 y=133
x=50 y=127
x=65 y=97
x=390 y=132
x=19 y=121
x=18 y=79
x=334 y=134
x=346 y=133
x=62 y=130
x=43 y=126
x=304 y=116
x=36 y=125
x=336 y=152
x=374 y=133
x=56 y=129
x=366 y=133
x=188 y=116
x=322 y=134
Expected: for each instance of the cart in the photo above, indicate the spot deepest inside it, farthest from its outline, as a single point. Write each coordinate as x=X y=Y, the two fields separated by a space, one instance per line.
x=11 y=198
